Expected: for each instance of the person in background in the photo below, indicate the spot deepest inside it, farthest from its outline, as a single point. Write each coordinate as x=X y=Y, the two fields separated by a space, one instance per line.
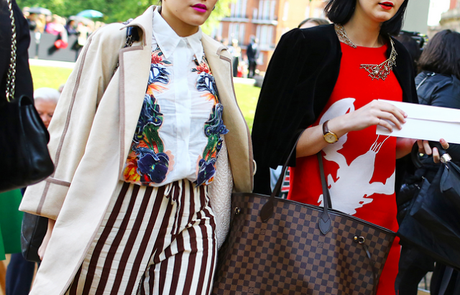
x=438 y=84
x=412 y=46
x=20 y=272
x=235 y=51
x=141 y=160
x=252 y=53
x=45 y=102
x=312 y=22
x=71 y=27
x=319 y=88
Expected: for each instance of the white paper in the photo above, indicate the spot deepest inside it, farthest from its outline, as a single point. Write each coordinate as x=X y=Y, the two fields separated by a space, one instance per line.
x=426 y=122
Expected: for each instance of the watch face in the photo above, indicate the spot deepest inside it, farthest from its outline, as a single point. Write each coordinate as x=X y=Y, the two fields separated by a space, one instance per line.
x=330 y=138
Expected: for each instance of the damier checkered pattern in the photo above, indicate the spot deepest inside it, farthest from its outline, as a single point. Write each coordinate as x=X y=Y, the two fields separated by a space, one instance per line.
x=289 y=255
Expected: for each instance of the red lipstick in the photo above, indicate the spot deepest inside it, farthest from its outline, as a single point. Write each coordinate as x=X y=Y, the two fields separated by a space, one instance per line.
x=200 y=8
x=386 y=5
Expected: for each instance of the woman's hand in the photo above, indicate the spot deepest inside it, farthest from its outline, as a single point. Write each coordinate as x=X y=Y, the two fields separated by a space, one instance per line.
x=424 y=147
x=376 y=112
x=46 y=239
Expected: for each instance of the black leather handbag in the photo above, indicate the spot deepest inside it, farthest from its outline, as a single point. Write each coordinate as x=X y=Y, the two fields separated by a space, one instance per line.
x=33 y=231
x=24 y=156
x=431 y=223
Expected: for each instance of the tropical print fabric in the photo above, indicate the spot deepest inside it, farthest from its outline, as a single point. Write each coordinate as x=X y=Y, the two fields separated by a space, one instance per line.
x=213 y=128
x=150 y=161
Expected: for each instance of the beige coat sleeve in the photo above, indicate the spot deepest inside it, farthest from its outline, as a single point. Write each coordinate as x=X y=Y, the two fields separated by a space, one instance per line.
x=73 y=118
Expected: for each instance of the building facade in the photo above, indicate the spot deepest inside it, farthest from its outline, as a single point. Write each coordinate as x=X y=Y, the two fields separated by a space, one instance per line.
x=451 y=18
x=266 y=20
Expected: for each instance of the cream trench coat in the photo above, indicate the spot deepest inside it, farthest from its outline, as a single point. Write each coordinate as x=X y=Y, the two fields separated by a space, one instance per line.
x=94 y=122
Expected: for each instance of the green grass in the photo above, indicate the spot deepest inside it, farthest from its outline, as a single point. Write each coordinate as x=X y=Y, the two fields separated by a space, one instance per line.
x=247 y=96
x=53 y=77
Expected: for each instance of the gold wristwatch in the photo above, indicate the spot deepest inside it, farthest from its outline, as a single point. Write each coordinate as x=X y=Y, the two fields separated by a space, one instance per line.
x=329 y=136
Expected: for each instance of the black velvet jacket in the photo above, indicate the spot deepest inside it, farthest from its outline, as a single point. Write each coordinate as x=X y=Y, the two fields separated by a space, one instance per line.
x=299 y=81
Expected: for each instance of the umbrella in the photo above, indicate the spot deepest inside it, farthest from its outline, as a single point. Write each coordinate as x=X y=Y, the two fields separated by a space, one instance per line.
x=39 y=10
x=81 y=19
x=90 y=13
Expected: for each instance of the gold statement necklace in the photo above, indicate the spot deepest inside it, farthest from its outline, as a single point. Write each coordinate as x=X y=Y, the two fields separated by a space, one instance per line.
x=380 y=71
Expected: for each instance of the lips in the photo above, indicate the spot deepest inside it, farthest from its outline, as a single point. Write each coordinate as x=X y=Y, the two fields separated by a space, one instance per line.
x=200 y=7
x=386 y=5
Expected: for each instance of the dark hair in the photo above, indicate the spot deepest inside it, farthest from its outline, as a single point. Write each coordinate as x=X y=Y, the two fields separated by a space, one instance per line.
x=442 y=54
x=318 y=21
x=341 y=11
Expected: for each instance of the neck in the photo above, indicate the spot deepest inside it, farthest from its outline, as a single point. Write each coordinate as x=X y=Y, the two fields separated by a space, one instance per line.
x=363 y=33
x=178 y=27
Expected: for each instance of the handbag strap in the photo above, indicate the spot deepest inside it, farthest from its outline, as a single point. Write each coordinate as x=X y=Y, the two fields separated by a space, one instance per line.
x=11 y=77
x=357 y=239
x=325 y=223
x=266 y=212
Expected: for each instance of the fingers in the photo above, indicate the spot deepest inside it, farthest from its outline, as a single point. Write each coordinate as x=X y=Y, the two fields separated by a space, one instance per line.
x=436 y=157
x=387 y=113
x=424 y=147
x=444 y=143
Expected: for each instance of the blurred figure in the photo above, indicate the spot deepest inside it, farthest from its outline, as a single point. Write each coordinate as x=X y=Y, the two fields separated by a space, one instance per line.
x=312 y=22
x=252 y=53
x=412 y=46
x=439 y=85
x=45 y=102
x=83 y=34
x=235 y=51
x=55 y=27
x=71 y=27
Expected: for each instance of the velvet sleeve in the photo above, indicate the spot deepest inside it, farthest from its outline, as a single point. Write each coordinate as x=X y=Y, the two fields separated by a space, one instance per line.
x=290 y=97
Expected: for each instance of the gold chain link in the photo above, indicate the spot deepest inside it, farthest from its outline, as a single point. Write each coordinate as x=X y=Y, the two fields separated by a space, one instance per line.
x=11 y=79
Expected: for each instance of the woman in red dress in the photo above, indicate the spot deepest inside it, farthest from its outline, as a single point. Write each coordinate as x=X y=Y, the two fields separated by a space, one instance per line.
x=329 y=84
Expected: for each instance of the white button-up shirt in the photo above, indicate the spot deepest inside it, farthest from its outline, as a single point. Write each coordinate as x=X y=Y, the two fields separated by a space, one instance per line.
x=181 y=102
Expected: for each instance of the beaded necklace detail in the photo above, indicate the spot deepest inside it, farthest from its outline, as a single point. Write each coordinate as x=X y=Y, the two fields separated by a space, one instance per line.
x=376 y=71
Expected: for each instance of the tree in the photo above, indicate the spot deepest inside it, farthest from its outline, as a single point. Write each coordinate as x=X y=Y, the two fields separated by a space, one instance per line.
x=117 y=10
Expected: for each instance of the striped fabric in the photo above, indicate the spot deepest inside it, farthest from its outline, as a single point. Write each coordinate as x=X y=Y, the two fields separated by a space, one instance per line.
x=153 y=240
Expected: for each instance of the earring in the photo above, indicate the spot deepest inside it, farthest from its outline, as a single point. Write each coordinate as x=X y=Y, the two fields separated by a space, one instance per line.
x=214 y=8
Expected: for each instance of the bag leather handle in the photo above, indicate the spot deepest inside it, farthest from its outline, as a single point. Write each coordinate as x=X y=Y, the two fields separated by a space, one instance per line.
x=325 y=224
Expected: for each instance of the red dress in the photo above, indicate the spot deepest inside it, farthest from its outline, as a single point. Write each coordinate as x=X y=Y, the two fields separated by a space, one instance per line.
x=360 y=167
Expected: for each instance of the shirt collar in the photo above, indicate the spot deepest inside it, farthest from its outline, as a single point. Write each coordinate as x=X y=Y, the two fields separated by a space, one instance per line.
x=168 y=40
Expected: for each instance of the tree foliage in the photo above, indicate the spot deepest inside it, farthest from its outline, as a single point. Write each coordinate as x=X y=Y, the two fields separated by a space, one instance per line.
x=116 y=10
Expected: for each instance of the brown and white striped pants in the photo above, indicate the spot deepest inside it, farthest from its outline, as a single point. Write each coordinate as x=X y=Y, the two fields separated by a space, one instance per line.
x=152 y=241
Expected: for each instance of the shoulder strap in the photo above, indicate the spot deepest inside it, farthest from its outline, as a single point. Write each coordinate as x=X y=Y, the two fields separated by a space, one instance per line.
x=11 y=78
x=132 y=35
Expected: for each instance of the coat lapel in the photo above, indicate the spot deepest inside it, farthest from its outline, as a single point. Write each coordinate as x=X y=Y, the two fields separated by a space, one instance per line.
x=238 y=138
x=134 y=68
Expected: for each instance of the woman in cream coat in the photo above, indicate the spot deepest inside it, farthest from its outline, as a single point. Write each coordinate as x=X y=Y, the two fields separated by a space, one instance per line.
x=91 y=139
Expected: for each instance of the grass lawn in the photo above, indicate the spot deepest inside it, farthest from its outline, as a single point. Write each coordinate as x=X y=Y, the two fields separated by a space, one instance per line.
x=53 y=77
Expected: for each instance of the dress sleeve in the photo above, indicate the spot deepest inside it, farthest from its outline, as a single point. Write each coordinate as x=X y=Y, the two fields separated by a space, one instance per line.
x=280 y=108
x=73 y=117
